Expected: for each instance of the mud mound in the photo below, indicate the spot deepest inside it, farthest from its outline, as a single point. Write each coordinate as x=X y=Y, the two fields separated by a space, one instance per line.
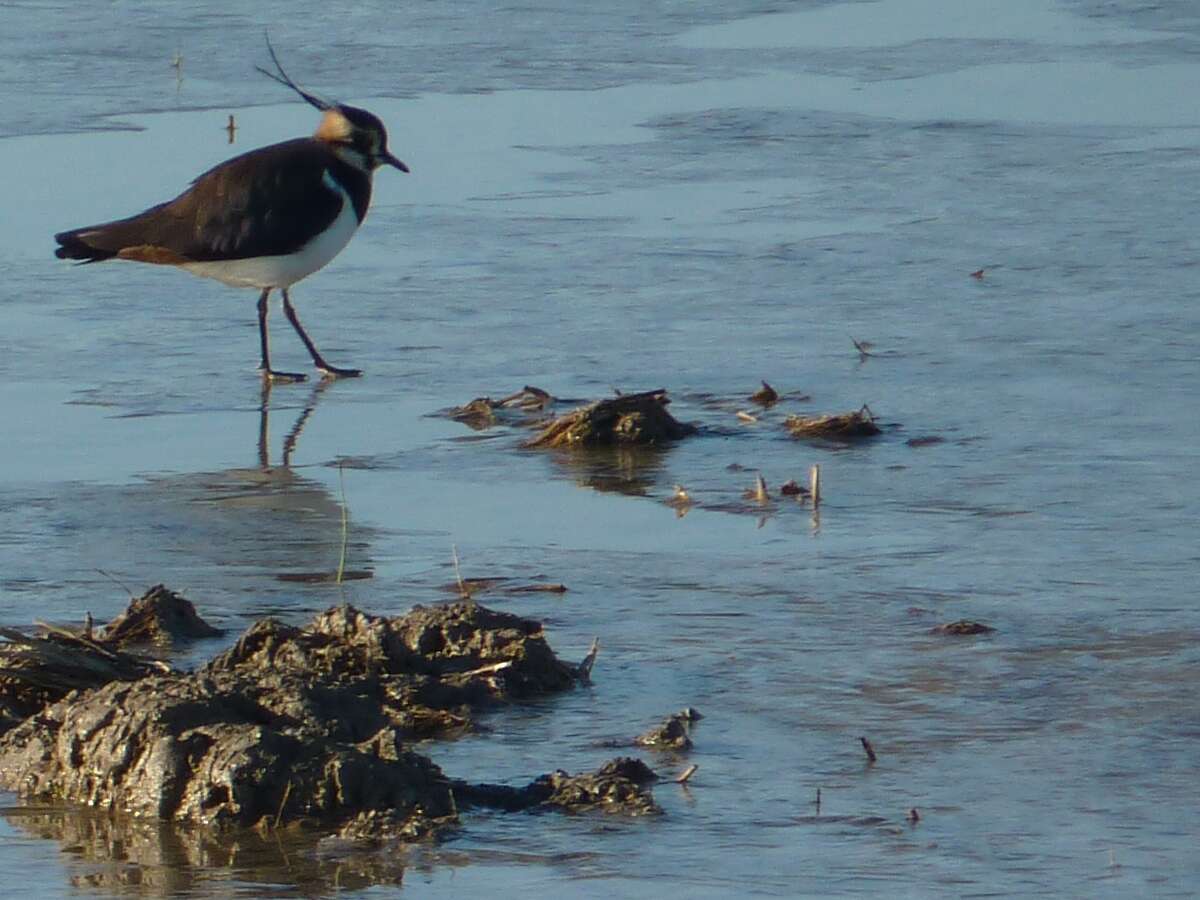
x=290 y=724
x=160 y=616
x=620 y=785
x=627 y=419
x=36 y=671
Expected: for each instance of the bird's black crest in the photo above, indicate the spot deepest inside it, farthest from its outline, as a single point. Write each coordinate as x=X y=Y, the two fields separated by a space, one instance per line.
x=284 y=79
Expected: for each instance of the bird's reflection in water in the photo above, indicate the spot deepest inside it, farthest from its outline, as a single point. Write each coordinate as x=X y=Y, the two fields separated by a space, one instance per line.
x=299 y=532
x=264 y=519
x=289 y=442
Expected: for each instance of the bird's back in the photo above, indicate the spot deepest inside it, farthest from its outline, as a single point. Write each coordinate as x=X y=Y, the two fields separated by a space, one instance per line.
x=268 y=202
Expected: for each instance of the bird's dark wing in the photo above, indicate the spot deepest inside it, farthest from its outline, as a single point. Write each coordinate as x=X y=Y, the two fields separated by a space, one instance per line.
x=267 y=202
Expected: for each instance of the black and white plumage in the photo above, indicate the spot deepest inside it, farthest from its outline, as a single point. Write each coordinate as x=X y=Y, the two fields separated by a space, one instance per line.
x=265 y=219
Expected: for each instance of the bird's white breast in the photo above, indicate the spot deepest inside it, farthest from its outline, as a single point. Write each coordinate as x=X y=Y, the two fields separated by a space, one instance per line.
x=284 y=271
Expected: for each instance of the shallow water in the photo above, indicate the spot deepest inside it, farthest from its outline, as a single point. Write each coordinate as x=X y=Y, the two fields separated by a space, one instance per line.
x=690 y=197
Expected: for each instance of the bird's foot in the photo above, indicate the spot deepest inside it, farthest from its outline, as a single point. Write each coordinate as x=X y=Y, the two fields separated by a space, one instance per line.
x=282 y=377
x=328 y=371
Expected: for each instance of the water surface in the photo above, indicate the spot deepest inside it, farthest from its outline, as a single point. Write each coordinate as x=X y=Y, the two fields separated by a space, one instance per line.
x=692 y=197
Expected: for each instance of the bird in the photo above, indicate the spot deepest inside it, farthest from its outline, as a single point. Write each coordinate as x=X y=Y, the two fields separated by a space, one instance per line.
x=264 y=219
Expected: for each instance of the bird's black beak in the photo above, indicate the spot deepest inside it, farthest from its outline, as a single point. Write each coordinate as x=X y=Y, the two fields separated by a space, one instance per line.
x=392 y=161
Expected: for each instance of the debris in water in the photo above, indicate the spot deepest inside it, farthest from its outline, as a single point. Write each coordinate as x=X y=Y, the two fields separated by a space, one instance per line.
x=840 y=426
x=791 y=489
x=962 y=627
x=528 y=398
x=927 y=440
x=686 y=774
x=746 y=417
x=766 y=395
x=536 y=589
x=618 y=786
x=672 y=734
x=863 y=348
x=480 y=413
x=469 y=587
x=869 y=749
x=680 y=501
x=626 y=419
x=584 y=670
x=759 y=492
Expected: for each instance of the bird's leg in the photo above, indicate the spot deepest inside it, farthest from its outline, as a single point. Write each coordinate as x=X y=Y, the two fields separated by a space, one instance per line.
x=265 y=366
x=318 y=360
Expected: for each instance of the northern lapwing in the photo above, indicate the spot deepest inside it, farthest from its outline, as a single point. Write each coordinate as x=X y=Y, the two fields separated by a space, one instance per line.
x=265 y=219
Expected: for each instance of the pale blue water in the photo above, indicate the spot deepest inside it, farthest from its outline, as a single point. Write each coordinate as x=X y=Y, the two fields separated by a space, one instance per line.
x=691 y=196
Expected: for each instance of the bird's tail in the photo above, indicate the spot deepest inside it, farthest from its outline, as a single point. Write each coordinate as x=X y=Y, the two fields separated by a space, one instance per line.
x=91 y=244
x=94 y=243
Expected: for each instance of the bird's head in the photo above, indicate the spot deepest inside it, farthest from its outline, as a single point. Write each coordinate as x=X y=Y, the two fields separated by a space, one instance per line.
x=358 y=137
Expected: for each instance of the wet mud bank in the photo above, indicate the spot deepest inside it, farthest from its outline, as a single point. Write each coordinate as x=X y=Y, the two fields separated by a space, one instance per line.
x=291 y=726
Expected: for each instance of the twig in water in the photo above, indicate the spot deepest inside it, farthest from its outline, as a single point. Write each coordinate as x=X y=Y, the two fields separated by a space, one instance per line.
x=746 y=417
x=341 y=569
x=814 y=484
x=585 y=668
x=913 y=816
x=119 y=584
x=287 y=792
x=817 y=804
x=463 y=590
x=686 y=774
x=870 y=750
x=489 y=669
x=758 y=493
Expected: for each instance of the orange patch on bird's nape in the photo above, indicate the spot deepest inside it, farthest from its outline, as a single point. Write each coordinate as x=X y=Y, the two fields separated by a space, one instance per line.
x=148 y=253
x=334 y=127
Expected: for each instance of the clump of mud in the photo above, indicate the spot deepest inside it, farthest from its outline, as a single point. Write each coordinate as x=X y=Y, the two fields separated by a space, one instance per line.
x=36 y=671
x=626 y=419
x=302 y=725
x=159 y=616
x=962 y=627
x=484 y=412
x=617 y=786
x=837 y=427
x=765 y=395
x=674 y=733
